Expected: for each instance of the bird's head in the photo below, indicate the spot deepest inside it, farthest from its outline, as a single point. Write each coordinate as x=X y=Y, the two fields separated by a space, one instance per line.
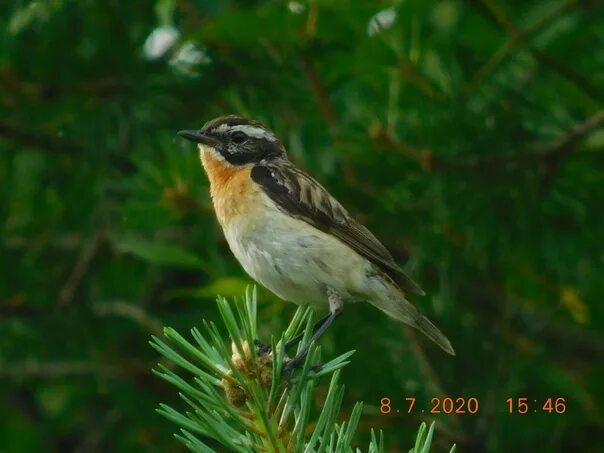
x=237 y=140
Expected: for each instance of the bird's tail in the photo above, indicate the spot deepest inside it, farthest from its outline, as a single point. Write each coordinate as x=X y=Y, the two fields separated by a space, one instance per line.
x=404 y=311
x=425 y=326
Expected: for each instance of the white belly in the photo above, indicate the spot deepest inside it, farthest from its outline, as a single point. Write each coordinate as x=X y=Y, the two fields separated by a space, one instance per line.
x=293 y=259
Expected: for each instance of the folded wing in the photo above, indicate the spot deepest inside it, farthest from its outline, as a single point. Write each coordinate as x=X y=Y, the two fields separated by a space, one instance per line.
x=304 y=198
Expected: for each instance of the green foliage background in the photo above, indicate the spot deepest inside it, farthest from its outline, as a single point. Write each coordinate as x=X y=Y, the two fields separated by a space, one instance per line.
x=468 y=135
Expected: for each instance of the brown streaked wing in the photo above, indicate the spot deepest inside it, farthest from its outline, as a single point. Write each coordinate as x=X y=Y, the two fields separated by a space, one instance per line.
x=303 y=197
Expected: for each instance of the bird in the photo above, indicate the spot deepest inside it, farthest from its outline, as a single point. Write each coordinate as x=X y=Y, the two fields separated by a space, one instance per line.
x=292 y=236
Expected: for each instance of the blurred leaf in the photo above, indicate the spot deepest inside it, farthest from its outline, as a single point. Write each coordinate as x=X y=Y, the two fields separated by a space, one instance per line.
x=159 y=253
x=571 y=301
x=226 y=287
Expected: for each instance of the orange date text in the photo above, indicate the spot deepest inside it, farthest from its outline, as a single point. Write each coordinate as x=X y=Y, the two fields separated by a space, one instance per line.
x=443 y=405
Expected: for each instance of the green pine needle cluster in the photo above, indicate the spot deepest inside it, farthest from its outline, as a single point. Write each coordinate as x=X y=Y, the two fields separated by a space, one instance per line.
x=247 y=401
x=423 y=440
x=244 y=401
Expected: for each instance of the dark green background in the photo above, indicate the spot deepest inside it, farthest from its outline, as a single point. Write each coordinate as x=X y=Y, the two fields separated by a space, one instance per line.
x=468 y=135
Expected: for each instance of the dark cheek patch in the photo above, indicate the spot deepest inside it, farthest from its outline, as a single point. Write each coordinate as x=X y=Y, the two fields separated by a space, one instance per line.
x=253 y=151
x=237 y=157
x=269 y=148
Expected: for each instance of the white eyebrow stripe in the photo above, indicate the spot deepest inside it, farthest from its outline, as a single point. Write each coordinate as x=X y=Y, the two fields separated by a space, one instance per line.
x=248 y=129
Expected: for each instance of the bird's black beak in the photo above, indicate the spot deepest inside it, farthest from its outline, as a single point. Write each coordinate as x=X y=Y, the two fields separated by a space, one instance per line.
x=199 y=137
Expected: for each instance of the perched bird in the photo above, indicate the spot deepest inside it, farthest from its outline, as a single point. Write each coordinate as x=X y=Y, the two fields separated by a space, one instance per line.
x=291 y=235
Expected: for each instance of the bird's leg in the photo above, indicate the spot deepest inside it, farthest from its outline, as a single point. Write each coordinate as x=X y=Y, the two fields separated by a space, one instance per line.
x=336 y=306
x=262 y=348
x=315 y=328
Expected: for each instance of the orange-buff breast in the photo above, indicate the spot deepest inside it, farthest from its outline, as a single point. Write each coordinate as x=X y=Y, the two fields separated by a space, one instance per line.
x=233 y=192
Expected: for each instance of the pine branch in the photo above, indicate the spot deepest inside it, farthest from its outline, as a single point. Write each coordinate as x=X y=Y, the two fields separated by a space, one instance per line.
x=516 y=38
x=245 y=399
x=494 y=13
x=548 y=153
x=24 y=137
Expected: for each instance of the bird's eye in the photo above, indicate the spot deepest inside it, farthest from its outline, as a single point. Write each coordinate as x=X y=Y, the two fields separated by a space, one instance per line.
x=239 y=137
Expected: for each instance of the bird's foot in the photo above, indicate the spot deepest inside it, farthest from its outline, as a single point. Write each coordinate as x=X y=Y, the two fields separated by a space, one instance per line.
x=292 y=365
x=262 y=348
x=297 y=362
